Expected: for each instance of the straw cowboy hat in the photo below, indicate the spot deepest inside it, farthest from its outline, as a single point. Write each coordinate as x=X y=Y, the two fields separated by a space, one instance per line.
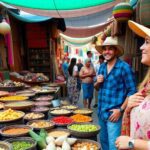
x=110 y=41
x=139 y=29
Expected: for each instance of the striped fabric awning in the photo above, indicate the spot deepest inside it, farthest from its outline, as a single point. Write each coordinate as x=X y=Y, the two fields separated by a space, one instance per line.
x=62 y=8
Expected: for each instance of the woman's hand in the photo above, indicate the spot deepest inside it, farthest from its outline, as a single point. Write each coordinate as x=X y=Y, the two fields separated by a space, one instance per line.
x=122 y=142
x=135 y=100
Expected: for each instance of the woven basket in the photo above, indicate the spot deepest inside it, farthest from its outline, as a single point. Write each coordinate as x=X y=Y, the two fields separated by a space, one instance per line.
x=29 y=119
x=11 y=89
x=16 y=134
x=11 y=120
x=84 y=134
x=89 y=141
x=5 y=145
x=51 y=124
x=26 y=139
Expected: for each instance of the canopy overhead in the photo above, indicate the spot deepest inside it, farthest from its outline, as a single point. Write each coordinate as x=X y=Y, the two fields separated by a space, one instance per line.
x=89 y=20
x=77 y=41
x=85 y=31
x=27 y=17
x=62 y=8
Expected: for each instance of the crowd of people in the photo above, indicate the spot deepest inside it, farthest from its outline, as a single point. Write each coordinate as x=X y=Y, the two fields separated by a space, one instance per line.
x=122 y=107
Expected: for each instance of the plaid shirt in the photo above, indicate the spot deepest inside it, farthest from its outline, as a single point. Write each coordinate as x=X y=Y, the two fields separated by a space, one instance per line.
x=118 y=84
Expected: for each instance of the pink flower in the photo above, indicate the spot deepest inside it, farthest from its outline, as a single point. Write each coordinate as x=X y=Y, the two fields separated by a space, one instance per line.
x=137 y=126
x=148 y=134
x=146 y=106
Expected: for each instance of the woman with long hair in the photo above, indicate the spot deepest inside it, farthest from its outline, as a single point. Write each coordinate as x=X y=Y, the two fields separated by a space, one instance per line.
x=137 y=135
x=73 y=92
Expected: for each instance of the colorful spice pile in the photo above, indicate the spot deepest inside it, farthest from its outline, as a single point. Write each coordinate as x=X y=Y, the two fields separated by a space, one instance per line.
x=62 y=120
x=81 y=118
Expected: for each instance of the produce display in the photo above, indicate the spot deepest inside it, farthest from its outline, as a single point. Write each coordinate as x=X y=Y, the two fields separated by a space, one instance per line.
x=35 y=77
x=60 y=143
x=15 y=130
x=83 y=127
x=10 y=114
x=19 y=105
x=39 y=89
x=39 y=129
x=1 y=105
x=3 y=93
x=85 y=145
x=26 y=94
x=21 y=145
x=13 y=98
x=9 y=83
x=83 y=111
x=44 y=98
x=44 y=103
x=81 y=118
x=5 y=145
x=40 y=124
x=40 y=109
x=60 y=112
x=70 y=107
x=58 y=132
x=33 y=115
x=62 y=120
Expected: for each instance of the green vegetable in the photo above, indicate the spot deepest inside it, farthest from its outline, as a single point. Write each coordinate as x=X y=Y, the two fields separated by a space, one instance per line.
x=21 y=145
x=43 y=134
x=40 y=140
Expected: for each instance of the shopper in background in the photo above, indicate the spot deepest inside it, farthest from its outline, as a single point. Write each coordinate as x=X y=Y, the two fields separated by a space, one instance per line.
x=87 y=74
x=89 y=55
x=116 y=83
x=138 y=109
x=73 y=92
x=79 y=65
x=100 y=61
x=65 y=66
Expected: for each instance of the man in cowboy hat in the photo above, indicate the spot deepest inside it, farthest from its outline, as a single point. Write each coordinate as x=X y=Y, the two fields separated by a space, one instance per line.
x=116 y=83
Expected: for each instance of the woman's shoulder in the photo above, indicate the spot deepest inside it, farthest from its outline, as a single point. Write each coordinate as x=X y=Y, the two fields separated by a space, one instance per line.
x=144 y=106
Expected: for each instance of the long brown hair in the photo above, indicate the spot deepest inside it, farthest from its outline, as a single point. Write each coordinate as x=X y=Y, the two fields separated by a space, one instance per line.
x=145 y=80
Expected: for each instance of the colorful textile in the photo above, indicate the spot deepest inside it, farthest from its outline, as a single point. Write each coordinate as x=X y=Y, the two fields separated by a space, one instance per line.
x=110 y=95
x=126 y=123
x=140 y=120
x=73 y=91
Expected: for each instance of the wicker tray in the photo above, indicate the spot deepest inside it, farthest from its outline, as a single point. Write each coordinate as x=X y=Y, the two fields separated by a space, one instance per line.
x=4 y=93
x=5 y=145
x=11 y=89
x=46 y=91
x=1 y=105
x=44 y=98
x=70 y=107
x=83 y=111
x=41 y=116
x=62 y=124
x=17 y=133
x=11 y=120
x=23 y=105
x=44 y=103
x=88 y=141
x=84 y=134
x=9 y=100
x=26 y=139
x=40 y=109
x=51 y=124
x=60 y=114
x=66 y=131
